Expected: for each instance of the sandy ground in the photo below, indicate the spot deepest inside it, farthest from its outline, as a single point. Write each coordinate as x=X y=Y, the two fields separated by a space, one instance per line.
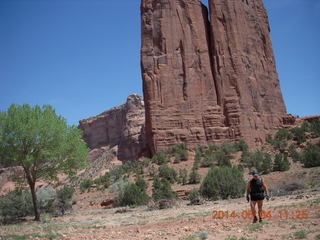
x=181 y=222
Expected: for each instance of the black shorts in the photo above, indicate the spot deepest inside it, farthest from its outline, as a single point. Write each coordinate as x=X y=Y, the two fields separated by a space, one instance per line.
x=257 y=197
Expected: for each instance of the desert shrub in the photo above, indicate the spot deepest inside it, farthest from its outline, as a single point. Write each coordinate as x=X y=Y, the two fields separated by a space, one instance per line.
x=300 y=234
x=141 y=183
x=194 y=177
x=162 y=189
x=46 y=196
x=85 y=185
x=219 y=158
x=296 y=157
x=168 y=173
x=63 y=200
x=242 y=146
x=259 y=160
x=315 y=128
x=299 y=134
x=15 y=205
x=132 y=195
x=194 y=196
x=183 y=176
x=281 y=163
x=213 y=147
x=311 y=156
x=283 y=134
x=223 y=182
x=160 y=158
x=197 y=160
x=227 y=148
x=103 y=180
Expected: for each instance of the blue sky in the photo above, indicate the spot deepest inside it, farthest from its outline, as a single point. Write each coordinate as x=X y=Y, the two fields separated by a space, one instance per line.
x=82 y=56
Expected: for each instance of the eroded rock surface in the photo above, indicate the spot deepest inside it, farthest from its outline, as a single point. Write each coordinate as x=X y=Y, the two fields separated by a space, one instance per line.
x=208 y=81
x=122 y=126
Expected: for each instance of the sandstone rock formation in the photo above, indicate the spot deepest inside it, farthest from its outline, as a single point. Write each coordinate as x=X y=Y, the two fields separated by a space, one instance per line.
x=206 y=81
x=122 y=126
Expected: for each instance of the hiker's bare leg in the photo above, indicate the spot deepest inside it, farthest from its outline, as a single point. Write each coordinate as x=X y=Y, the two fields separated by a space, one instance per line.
x=253 y=210
x=260 y=204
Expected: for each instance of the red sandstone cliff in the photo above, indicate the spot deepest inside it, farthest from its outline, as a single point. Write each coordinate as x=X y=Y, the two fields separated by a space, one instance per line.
x=208 y=81
x=122 y=126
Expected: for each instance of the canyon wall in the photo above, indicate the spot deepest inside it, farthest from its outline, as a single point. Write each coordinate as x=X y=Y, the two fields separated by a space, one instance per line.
x=121 y=127
x=207 y=81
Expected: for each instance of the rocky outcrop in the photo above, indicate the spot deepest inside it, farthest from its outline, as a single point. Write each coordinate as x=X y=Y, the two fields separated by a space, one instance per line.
x=122 y=126
x=208 y=81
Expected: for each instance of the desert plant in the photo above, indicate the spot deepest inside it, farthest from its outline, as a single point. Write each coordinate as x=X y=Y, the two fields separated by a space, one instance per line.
x=299 y=134
x=160 y=158
x=168 y=173
x=223 y=182
x=300 y=234
x=183 y=176
x=281 y=163
x=46 y=196
x=194 y=196
x=15 y=205
x=63 y=201
x=296 y=157
x=85 y=185
x=242 y=146
x=228 y=148
x=259 y=160
x=311 y=156
x=132 y=195
x=141 y=183
x=162 y=190
x=194 y=177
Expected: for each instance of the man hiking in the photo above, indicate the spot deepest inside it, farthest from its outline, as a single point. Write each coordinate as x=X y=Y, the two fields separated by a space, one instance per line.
x=256 y=190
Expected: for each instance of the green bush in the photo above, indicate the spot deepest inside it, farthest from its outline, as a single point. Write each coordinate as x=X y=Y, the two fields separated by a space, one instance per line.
x=315 y=128
x=46 y=196
x=85 y=185
x=283 y=134
x=223 y=182
x=168 y=173
x=194 y=196
x=63 y=201
x=242 y=146
x=132 y=195
x=141 y=183
x=103 y=180
x=15 y=205
x=162 y=190
x=227 y=148
x=311 y=156
x=259 y=160
x=194 y=177
x=160 y=158
x=197 y=160
x=296 y=157
x=281 y=163
x=299 y=134
x=219 y=158
x=183 y=176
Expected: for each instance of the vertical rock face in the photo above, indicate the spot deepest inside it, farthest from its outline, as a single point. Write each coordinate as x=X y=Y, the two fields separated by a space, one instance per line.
x=122 y=126
x=208 y=81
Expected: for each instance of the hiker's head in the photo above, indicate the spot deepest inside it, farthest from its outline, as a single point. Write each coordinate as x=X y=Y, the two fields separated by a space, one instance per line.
x=255 y=174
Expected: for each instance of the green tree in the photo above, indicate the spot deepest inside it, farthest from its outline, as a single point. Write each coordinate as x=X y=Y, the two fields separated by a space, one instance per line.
x=194 y=177
x=281 y=163
x=311 y=156
x=42 y=143
x=223 y=182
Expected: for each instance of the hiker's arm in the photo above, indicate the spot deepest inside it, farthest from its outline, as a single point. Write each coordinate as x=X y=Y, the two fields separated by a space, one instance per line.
x=265 y=188
x=248 y=190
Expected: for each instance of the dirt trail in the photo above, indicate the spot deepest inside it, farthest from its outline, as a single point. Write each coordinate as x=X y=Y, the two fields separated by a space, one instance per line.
x=182 y=221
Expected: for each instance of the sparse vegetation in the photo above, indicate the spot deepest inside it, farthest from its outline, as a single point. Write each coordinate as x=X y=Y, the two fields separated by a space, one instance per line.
x=281 y=163
x=162 y=189
x=223 y=182
x=311 y=156
x=302 y=234
x=168 y=173
x=258 y=160
x=183 y=176
x=194 y=177
x=194 y=196
x=255 y=227
x=85 y=185
x=132 y=195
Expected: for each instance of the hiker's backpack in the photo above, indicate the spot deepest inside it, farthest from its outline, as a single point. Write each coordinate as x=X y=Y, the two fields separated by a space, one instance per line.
x=256 y=187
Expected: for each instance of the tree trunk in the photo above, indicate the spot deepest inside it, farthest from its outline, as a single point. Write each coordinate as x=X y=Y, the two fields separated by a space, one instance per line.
x=35 y=202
